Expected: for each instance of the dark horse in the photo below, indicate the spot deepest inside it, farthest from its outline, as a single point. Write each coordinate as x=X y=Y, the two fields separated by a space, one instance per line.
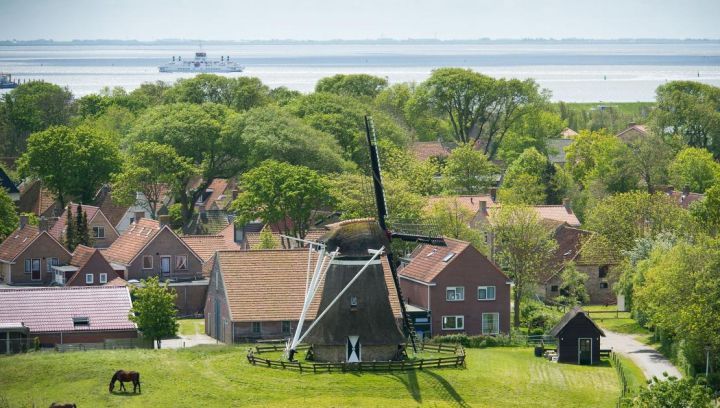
x=126 y=376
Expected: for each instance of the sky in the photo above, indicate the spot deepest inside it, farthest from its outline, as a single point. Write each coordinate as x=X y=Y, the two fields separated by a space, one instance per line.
x=365 y=19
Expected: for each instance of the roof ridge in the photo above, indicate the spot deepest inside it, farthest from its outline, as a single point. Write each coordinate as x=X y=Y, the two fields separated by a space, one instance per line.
x=51 y=288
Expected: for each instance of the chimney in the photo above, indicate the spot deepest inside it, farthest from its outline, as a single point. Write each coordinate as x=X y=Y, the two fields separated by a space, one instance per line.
x=164 y=220
x=493 y=193
x=44 y=224
x=23 y=221
x=686 y=191
x=566 y=204
x=139 y=215
x=239 y=233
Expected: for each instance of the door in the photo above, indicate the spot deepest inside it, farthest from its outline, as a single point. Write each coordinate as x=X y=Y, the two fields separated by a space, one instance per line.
x=165 y=264
x=218 y=331
x=584 y=351
x=35 y=270
x=353 y=349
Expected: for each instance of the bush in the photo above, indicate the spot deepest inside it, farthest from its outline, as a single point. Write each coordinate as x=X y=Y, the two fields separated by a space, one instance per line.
x=501 y=340
x=672 y=393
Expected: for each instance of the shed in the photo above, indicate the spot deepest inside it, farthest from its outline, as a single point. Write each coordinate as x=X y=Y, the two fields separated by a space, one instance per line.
x=578 y=338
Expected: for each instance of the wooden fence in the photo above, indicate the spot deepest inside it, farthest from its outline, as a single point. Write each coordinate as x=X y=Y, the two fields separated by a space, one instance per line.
x=617 y=363
x=607 y=314
x=456 y=360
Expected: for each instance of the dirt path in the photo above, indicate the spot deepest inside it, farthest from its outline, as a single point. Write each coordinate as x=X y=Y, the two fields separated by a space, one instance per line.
x=650 y=361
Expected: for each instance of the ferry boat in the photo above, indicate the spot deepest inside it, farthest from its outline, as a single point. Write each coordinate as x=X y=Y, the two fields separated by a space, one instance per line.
x=6 y=81
x=201 y=64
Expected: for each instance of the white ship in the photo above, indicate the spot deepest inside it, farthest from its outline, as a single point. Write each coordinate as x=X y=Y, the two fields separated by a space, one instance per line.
x=201 y=64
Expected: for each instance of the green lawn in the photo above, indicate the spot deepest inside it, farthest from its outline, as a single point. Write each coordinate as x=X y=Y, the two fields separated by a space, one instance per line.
x=220 y=376
x=624 y=324
x=191 y=326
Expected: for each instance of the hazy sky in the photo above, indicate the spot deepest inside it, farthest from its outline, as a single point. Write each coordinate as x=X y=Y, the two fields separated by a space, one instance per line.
x=332 y=19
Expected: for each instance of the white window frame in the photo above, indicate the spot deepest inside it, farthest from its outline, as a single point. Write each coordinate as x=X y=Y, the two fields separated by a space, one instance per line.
x=169 y=258
x=462 y=327
x=103 y=278
x=152 y=261
x=497 y=325
x=454 y=289
x=50 y=262
x=184 y=265
x=89 y=278
x=96 y=231
x=494 y=289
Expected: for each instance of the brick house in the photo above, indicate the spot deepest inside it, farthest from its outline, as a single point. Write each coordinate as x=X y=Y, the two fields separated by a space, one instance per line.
x=122 y=216
x=87 y=267
x=101 y=230
x=69 y=315
x=28 y=254
x=461 y=290
x=36 y=199
x=259 y=294
x=633 y=132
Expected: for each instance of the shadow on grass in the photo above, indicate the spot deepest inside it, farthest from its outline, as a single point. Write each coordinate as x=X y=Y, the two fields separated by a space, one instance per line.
x=125 y=394
x=409 y=380
x=446 y=390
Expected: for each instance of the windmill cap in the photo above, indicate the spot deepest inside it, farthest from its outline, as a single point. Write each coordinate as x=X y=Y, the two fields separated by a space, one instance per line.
x=353 y=238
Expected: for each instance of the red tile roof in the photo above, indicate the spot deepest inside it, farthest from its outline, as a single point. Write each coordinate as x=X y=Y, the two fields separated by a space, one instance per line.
x=269 y=285
x=113 y=211
x=426 y=150
x=17 y=242
x=570 y=241
x=58 y=229
x=132 y=241
x=428 y=260
x=53 y=309
x=81 y=255
x=469 y=202
x=554 y=213
x=206 y=245
x=684 y=200
x=35 y=198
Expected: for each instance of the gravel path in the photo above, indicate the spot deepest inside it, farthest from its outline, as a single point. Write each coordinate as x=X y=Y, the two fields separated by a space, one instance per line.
x=650 y=361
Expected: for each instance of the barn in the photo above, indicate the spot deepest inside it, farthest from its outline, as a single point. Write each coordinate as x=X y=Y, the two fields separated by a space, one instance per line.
x=578 y=338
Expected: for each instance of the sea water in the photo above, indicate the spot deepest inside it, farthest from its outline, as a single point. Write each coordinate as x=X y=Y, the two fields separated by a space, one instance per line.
x=573 y=72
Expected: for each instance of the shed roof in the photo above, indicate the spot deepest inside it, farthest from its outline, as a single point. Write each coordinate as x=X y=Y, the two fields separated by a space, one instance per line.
x=568 y=317
x=53 y=309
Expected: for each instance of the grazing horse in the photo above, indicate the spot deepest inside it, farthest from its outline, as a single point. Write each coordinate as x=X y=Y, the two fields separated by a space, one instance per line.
x=126 y=376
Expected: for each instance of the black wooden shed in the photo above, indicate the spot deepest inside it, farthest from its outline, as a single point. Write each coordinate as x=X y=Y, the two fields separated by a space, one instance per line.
x=578 y=338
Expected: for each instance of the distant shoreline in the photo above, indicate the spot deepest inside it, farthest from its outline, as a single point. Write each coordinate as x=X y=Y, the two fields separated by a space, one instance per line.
x=381 y=41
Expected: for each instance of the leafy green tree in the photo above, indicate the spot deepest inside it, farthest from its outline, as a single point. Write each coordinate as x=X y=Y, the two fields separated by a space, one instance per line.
x=83 y=230
x=195 y=133
x=707 y=210
x=672 y=392
x=283 y=95
x=468 y=171
x=71 y=238
x=526 y=189
x=357 y=85
x=283 y=194
x=694 y=168
x=572 y=288
x=532 y=130
x=33 y=107
x=115 y=120
x=455 y=221
x=71 y=162
x=271 y=133
x=532 y=179
x=8 y=216
x=150 y=168
x=522 y=247
x=398 y=163
x=691 y=110
x=154 y=310
x=267 y=241
x=650 y=158
x=240 y=93
x=478 y=107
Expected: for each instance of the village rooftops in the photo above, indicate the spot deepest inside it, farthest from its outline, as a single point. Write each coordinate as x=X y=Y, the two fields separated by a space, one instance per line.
x=568 y=317
x=66 y=309
x=18 y=241
x=269 y=285
x=426 y=150
x=36 y=199
x=132 y=241
x=472 y=203
x=570 y=241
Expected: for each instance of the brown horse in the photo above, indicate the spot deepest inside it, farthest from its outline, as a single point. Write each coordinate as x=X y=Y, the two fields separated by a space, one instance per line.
x=126 y=376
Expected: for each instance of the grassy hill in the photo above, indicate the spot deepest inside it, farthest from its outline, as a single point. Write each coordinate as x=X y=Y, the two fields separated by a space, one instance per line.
x=220 y=376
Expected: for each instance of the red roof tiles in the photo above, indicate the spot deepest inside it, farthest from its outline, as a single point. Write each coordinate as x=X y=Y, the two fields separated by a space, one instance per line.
x=426 y=150
x=17 y=242
x=132 y=241
x=429 y=260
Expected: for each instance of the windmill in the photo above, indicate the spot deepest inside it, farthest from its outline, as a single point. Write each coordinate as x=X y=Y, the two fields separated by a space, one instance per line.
x=355 y=320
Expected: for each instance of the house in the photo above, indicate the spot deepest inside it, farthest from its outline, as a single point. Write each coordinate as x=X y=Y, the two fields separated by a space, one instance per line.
x=36 y=199
x=207 y=245
x=67 y=315
x=102 y=232
x=633 y=132
x=578 y=338
x=207 y=222
x=461 y=290
x=568 y=133
x=87 y=267
x=122 y=216
x=683 y=198
x=28 y=254
x=9 y=186
x=257 y=295
x=427 y=150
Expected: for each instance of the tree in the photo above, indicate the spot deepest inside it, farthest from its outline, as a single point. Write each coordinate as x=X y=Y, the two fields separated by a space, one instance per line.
x=532 y=130
x=283 y=95
x=357 y=85
x=33 y=107
x=150 y=168
x=455 y=221
x=690 y=110
x=526 y=189
x=707 y=210
x=283 y=194
x=154 y=310
x=522 y=247
x=71 y=162
x=650 y=157
x=71 y=238
x=468 y=171
x=83 y=232
x=240 y=93
x=673 y=393
x=195 y=133
x=267 y=241
x=531 y=179
x=478 y=107
x=572 y=288
x=8 y=216
x=694 y=168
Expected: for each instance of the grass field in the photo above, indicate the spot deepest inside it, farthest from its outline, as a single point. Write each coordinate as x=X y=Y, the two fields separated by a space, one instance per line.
x=191 y=326
x=220 y=376
x=625 y=324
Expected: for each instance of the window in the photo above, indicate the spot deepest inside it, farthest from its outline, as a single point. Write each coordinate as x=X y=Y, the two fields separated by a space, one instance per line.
x=486 y=292
x=103 y=278
x=603 y=285
x=286 y=326
x=32 y=265
x=147 y=262
x=448 y=257
x=554 y=288
x=181 y=262
x=98 y=232
x=453 y=322
x=81 y=321
x=165 y=264
x=256 y=327
x=52 y=262
x=89 y=278
x=28 y=265
x=603 y=271
x=455 y=293
x=490 y=323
